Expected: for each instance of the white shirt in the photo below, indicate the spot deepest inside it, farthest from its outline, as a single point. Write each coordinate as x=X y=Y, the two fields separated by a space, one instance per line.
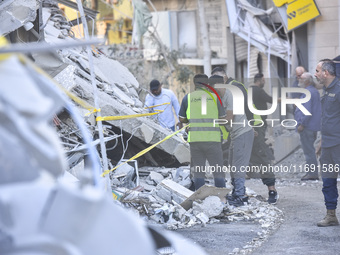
x=166 y=118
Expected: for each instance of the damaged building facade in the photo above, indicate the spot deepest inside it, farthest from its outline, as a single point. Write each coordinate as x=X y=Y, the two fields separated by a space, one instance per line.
x=228 y=32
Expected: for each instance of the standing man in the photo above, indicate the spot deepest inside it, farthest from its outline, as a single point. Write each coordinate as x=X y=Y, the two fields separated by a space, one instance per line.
x=204 y=137
x=330 y=138
x=298 y=72
x=261 y=153
x=229 y=80
x=260 y=97
x=160 y=97
x=242 y=136
x=309 y=125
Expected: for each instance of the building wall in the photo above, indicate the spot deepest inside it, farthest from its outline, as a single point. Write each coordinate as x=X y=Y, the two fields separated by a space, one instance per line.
x=173 y=5
x=323 y=33
x=215 y=16
x=113 y=22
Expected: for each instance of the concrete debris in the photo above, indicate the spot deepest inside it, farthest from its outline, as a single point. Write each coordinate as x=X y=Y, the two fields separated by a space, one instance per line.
x=127 y=176
x=163 y=194
x=157 y=178
x=182 y=177
x=147 y=133
x=211 y=206
x=15 y=14
x=170 y=190
x=268 y=216
x=166 y=204
x=118 y=90
x=204 y=192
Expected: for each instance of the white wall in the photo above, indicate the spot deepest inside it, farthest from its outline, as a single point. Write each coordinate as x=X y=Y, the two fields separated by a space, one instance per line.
x=323 y=33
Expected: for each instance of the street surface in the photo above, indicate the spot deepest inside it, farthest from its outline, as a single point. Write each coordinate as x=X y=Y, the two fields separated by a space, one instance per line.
x=303 y=206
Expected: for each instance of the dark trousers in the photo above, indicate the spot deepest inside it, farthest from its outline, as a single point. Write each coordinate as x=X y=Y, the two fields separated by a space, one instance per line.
x=329 y=167
x=307 y=138
x=200 y=153
x=262 y=155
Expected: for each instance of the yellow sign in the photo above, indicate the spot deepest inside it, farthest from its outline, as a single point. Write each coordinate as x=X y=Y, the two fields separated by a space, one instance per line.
x=279 y=3
x=299 y=11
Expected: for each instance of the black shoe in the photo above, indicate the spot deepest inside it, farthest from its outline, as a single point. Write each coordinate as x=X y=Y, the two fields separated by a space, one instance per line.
x=308 y=177
x=237 y=200
x=273 y=197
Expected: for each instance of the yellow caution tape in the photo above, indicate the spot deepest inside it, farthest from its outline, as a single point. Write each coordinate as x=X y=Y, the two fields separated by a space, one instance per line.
x=143 y=151
x=94 y=110
x=156 y=105
x=124 y=117
x=4 y=43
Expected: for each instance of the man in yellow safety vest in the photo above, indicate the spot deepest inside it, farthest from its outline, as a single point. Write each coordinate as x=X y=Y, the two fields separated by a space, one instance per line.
x=200 y=109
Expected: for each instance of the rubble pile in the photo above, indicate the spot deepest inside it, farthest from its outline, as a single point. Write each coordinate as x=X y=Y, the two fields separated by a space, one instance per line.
x=161 y=199
x=117 y=89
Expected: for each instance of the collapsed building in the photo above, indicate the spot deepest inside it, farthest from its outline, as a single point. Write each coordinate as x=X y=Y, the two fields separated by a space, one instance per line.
x=42 y=21
x=47 y=219
x=40 y=30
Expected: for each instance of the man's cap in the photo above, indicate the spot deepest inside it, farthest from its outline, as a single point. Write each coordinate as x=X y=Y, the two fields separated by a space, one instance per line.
x=218 y=69
x=154 y=84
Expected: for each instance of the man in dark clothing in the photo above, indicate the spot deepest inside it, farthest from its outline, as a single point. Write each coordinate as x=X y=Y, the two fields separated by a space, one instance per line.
x=260 y=97
x=330 y=138
x=269 y=178
x=308 y=126
x=261 y=154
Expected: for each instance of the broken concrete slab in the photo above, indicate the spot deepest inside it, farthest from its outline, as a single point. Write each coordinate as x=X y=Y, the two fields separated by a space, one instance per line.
x=156 y=177
x=182 y=152
x=170 y=190
x=147 y=187
x=14 y=14
x=147 y=133
x=117 y=93
x=204 y=192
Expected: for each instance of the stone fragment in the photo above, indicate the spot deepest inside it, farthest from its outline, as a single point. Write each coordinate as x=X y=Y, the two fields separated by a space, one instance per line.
x=156 y=177
x=170 y=190
x=211 y=206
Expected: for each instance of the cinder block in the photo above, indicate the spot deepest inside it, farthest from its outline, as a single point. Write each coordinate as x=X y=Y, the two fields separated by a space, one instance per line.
x=170 y=190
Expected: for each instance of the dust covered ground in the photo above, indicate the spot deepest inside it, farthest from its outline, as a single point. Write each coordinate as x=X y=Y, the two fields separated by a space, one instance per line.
x=296 y=233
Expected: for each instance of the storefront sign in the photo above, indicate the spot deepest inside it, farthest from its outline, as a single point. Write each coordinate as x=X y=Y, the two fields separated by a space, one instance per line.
x=298 y=12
